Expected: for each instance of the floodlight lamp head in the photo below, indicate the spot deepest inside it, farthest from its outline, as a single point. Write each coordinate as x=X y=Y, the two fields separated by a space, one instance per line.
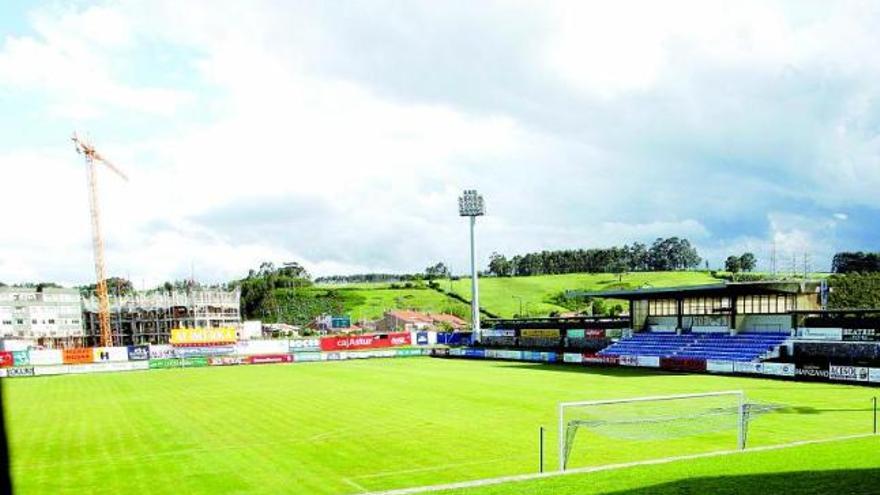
x=470 y=204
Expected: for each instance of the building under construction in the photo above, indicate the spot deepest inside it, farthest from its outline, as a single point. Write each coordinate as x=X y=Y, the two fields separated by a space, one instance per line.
x=148 y=317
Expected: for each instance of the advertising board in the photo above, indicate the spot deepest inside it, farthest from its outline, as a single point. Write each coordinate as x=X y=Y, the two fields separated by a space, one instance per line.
x=17 y=372
x=205 y=351
x=109 y=354
x=405 y=352
x=58 y=369
x=546 y=333
x=422 y=338
x=370 y=341
x=78 y=355
x=748 y=367
x=300 y=345
x=262 y=347
x=165 y=363
x=162 y=351
x=197 y=336
x=6 y=359
x=545 y=357
x=194 y=362
x=811 y=372
x=3 y=373
x=569 y=357
x=45 y=357
x=333 y=356
x=820 y=333
x=629 y=360
x=21 y=358
x=225 y=360
x=648 y=361
x=861 y=335
x=474 y=353
x=719 y=366
x=874 y=375
x=597 y=359
x=270 y=358
x=779 y=369
x=683 y=364
x=138 y=353
x=309 y=356
x=848 y=373
x=498 y=332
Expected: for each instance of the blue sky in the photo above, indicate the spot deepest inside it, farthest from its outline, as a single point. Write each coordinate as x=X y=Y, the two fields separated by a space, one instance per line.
x=340 y=135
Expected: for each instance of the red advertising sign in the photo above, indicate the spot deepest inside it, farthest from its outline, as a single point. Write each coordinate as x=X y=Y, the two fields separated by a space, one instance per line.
x=270 y=358
x=683 y=364
x=594 y=333
x=365 y=341
x=6 y=359
x=597 y=359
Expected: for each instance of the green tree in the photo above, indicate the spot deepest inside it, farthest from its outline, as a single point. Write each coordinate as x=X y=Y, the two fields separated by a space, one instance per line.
x=748 y=262
x=732 y=264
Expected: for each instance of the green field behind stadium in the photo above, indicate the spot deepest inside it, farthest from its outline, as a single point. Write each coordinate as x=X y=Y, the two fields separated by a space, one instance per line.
x=356 y=426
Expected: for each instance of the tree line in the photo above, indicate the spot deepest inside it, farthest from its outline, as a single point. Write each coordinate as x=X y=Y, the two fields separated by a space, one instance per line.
x=855 y=262
x=668 y=254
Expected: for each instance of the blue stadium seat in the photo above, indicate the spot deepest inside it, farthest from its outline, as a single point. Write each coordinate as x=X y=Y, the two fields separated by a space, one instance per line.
x=745 y=346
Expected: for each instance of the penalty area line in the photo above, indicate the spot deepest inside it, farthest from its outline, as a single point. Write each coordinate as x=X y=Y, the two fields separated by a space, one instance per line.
x=609 y=467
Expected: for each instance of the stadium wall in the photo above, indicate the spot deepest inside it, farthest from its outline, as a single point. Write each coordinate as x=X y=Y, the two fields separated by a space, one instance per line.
x=49 y=362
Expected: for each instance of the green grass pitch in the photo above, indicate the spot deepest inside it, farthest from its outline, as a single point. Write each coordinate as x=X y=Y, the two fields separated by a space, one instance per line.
x=355 y=426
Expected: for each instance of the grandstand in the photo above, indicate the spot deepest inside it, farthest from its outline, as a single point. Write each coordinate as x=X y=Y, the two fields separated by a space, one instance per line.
x=746 y=346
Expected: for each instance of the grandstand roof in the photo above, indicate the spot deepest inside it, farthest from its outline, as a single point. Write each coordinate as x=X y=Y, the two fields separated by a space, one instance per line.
x=719 y=289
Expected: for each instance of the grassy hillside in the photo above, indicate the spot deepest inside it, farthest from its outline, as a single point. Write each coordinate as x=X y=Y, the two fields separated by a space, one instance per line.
x=369 y=303
x=497 y=295
x=500 y=295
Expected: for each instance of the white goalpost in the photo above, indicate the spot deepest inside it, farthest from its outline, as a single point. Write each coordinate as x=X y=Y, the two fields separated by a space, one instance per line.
x=654 y=418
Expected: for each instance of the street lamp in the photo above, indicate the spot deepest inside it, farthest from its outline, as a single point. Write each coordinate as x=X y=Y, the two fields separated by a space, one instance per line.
x=470 y=204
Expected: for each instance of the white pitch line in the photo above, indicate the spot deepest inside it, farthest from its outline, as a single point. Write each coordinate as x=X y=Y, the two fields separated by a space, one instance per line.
x=609 y=467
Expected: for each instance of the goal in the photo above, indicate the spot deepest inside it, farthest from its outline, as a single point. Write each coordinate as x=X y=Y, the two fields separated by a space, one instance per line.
x=659 y=419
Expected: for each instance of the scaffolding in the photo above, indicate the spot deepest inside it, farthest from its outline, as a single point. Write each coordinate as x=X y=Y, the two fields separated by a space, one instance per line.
x=148 y=317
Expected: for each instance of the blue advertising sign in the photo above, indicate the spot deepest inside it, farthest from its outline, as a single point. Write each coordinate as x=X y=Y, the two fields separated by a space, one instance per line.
x=138 y=352
x=422 y=338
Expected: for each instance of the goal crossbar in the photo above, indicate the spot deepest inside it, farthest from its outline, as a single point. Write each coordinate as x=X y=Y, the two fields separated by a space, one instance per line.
x=741 y=409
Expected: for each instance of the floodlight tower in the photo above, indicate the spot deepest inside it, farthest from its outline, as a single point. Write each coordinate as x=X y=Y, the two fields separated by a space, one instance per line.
x=470 y=204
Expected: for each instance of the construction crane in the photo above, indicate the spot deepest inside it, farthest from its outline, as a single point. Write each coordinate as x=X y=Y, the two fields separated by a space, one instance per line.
x=92 y=156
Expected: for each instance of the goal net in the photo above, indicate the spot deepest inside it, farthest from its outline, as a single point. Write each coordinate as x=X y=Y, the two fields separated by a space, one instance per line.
x=673 y=425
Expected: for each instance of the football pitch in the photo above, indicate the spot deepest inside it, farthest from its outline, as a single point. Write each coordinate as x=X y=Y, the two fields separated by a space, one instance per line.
x=358 y=426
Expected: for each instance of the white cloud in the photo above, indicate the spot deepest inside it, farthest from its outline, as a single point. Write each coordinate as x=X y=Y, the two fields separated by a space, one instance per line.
x=585 y=124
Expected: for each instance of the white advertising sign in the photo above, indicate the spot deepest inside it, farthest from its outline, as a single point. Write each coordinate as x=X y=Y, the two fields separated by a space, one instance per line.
x=109 y=354
x=46 y=357
x=572 y=358
x=820 y=333
x=779 y=369
x=741 y=367
x=848 y=373
x=649 y=361
x=717 y=366
x=874 y=375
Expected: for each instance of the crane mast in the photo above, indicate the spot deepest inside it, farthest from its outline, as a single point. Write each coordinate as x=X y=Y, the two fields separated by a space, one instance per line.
x=91 y=157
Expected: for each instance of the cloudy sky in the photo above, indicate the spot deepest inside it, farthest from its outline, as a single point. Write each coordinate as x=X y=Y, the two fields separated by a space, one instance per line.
x=339 y=134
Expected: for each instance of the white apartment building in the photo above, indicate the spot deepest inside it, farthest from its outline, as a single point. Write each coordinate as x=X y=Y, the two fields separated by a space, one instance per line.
x=51 y=317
